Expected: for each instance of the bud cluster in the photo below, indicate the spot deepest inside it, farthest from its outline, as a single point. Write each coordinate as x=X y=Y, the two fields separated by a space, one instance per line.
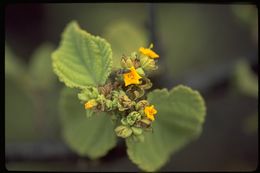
x=123 y=96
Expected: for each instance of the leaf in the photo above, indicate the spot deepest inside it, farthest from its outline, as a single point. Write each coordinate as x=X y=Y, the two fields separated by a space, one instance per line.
x=40 y=67
x=124 y=38
x=179 y=120
x=82 y=59
x=92 y=137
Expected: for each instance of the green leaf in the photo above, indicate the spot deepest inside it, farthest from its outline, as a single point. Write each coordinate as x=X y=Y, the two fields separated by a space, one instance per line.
x=179 y=120
x=92 y=137
x=245 y=80
x=82 y=59
x=124 y=38
x=40 y=67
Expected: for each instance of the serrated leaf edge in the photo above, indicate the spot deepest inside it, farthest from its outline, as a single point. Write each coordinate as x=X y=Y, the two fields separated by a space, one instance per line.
x=69 y=83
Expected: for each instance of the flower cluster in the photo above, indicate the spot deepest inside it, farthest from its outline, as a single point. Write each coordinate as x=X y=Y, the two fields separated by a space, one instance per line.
x=123 y=96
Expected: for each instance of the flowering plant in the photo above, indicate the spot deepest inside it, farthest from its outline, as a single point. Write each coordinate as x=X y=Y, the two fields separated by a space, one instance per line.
x=155 y=125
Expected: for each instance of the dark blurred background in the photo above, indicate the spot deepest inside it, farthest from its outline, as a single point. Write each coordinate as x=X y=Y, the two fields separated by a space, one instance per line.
x=211 y=48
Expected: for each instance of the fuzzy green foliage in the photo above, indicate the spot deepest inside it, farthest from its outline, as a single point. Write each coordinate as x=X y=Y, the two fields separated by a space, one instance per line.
x=182 y=112
x=82 y=59
x=91 y=137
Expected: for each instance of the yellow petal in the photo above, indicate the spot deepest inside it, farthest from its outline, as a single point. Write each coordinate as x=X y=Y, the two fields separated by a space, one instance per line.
x=148 y=52
x=131 y=77
x=91 y=103
x=150 y=111
x=88 y=105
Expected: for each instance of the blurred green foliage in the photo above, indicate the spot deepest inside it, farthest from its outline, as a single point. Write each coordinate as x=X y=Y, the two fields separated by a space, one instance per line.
x=30 y=97
x=244 y=79
x=248 y=16
x=125 y=38
x=40 y=69
x=104 y=15
x=87 y=136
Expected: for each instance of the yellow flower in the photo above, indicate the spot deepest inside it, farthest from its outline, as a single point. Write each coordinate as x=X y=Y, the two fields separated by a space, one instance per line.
x=150 y=111
x=90 y=104
x=148 y=52
x=132 y=77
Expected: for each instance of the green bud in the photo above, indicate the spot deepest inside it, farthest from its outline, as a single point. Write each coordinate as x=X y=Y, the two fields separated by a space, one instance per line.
x=146 y=83
x=124 y=121
x=133 y=117
x=136 y=130
x=134 y=92
x=129 y=63
x=126 y=62
x=109 y=104
x=140 y=71
x=114 y=103
x=133 y=56
x=147 y=63
x=88 y=93
x=141 y=105
x=151 y=46
x=83 y=96
x=144 y=123
x=101 y=102
x=124 y=102
x=123 y=131
x=123 y=62
x=106 y=89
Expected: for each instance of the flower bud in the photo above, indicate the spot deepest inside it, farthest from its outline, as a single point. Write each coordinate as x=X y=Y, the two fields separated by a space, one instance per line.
x=88 y=93
x=124 y=102
x=106 y=89
x=144 y=123
x=147 y=63
x=140 y=71
x=101 y=102
x=126 y=62
x=134 y=92
x=146 y=83
x=90 y=104
x=133 y=56
x=109 y=105
x=129 y=63
x=123 y=131
x=141 y=104
x=124 y=121
x=136 y=130
x=133 y=117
